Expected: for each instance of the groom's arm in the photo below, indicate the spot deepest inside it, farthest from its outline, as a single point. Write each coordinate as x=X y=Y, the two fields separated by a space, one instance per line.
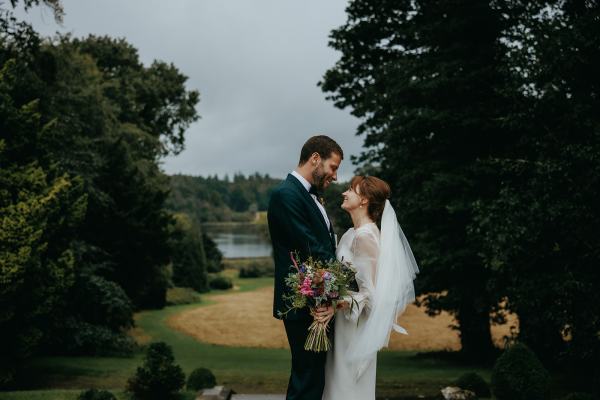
x=290 y=212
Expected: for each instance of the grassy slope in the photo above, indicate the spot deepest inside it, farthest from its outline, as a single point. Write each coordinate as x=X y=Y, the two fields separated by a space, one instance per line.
x=246 y=370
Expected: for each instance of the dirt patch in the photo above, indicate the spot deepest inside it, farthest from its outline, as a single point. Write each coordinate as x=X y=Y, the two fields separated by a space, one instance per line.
x=245 y=319
x=138 y=333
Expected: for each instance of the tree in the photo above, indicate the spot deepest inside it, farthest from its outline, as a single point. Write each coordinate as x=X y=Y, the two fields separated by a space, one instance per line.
x=81 y=192
x=427 y=79
x=214 y=256
x=159 y=377
x=122 y=117
x=54 y=5
x=188 y=257
x=540 y=231
x=40 y=209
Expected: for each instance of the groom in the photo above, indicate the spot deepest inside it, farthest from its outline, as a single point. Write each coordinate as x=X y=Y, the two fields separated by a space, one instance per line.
x=299 y=223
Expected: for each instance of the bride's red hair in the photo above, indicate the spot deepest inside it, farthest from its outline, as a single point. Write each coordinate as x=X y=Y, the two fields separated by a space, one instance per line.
x=376 y=190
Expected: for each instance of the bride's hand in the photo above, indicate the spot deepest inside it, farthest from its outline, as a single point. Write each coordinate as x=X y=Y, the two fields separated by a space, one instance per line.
x=324 y=314
x=343 y=305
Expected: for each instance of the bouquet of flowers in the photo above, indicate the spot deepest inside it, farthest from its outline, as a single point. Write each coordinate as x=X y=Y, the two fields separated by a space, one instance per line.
x=315 y=284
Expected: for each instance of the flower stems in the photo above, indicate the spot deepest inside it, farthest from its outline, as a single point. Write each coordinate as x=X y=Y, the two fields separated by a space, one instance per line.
x=317 y=339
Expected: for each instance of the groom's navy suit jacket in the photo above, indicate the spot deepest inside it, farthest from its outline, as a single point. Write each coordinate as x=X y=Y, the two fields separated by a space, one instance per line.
x=295 y=224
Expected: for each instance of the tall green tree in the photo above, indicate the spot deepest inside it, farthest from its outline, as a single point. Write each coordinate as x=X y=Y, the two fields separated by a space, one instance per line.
x=119 y=117
x=189 y=261
x=427 y=80
x=81 y=192
x=540 y=231
x=40 y=211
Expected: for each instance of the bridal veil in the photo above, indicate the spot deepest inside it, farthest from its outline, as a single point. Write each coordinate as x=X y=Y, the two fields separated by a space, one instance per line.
x=394 y=290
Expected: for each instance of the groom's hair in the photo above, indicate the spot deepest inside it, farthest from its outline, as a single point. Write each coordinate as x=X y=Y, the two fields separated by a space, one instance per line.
x=324 y=145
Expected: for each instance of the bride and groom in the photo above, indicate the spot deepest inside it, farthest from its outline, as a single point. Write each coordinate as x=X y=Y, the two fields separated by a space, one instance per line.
x=378 y=250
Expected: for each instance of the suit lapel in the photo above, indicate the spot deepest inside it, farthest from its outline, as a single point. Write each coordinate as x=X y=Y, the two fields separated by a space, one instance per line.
x=307 y=197
x=332 y=234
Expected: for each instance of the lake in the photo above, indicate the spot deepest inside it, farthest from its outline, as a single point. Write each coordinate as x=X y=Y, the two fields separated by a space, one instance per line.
x=239 y=240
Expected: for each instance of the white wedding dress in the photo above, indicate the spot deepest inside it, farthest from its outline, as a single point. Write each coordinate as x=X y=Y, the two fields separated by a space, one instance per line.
x=360 y=247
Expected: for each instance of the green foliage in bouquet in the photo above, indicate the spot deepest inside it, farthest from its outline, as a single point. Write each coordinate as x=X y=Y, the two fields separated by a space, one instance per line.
x=315 y=283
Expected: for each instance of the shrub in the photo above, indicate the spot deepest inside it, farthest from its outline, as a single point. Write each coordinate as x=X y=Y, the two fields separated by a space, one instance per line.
x=214 y=256
x=102 y=302
x=94 y=394
x=251 y=271
x=578 y=396
x=220 y=282
x=257 y=268
x=187 y=254
x=519 y=375
x=77 y=337
x=475 y=383
x=201 y=378
x=180 y=295
x=159 y=377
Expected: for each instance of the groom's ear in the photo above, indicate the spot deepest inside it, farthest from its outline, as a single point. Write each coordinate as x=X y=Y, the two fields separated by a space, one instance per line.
x=315 y=158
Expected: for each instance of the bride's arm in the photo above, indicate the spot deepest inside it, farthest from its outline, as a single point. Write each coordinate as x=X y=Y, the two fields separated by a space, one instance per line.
x=365 y=253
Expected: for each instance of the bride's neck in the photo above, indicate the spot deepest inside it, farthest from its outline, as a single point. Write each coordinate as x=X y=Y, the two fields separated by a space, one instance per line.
x=360 y=218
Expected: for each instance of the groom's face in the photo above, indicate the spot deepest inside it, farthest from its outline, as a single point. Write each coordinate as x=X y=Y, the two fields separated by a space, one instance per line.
x=326 y=171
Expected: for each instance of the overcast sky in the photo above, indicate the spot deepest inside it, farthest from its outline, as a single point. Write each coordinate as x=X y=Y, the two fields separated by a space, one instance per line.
x=256 y=64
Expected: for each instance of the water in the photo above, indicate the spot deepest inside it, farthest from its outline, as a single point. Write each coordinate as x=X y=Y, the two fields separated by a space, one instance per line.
x=239 y=240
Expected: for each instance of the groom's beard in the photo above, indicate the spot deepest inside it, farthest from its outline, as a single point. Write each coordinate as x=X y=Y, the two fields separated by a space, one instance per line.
x=319 y=180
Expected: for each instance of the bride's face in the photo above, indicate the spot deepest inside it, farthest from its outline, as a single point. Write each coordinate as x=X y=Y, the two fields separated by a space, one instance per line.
x=352 y=199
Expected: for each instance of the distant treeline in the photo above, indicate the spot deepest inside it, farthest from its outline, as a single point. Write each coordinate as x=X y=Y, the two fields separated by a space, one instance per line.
x=210 y=199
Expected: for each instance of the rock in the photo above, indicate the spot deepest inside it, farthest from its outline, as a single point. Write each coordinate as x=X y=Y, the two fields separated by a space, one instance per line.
x=216 y=393
x=456 y=393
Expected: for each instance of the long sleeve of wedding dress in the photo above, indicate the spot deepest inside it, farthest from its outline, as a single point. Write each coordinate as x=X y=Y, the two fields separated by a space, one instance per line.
x=361 y=248
x=365 y=249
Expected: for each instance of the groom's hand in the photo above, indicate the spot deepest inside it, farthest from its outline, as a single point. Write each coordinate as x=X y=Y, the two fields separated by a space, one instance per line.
x=324 y=314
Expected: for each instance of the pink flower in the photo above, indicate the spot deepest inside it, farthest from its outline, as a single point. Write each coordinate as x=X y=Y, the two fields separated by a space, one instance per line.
x=305 y=288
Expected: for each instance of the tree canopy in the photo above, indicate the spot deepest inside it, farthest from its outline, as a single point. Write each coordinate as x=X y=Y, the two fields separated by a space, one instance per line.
x=483 y=117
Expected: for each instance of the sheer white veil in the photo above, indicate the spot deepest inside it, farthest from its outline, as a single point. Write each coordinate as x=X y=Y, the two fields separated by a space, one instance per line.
x=394 y=290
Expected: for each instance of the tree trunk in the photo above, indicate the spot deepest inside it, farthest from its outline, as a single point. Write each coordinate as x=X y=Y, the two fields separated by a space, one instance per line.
x=474 y=324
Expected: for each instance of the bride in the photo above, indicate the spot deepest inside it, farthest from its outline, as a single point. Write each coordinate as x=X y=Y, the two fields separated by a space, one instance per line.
x=385 y=270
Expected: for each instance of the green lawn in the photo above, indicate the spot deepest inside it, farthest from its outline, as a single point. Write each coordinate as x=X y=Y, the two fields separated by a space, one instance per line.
x=246 y=370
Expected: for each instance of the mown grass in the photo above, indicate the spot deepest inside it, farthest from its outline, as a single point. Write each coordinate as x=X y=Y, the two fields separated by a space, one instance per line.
x=246 y=370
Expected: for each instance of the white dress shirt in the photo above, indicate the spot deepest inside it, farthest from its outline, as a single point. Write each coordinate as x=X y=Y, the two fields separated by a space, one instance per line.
x=307 y=186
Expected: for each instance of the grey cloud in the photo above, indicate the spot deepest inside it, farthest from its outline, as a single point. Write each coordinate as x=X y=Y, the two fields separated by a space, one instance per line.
x=256 y=65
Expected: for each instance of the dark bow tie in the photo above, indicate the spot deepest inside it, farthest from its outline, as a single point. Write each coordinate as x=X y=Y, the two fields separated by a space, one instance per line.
x=313 y=190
